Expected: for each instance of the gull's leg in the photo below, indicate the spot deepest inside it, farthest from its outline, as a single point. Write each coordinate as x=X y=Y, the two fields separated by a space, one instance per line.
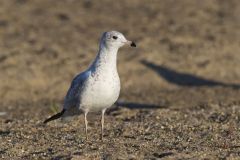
x=86 y=124
x=102 y=121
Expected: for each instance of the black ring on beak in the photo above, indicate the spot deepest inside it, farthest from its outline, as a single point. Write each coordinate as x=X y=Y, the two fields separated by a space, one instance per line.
x=133 y=44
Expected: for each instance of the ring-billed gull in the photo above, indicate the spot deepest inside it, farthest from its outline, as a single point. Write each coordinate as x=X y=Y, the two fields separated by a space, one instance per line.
x=97 y=88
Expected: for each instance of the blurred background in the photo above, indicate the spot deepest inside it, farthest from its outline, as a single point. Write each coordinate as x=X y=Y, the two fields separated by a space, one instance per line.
x=44 y=44
x=187 y=56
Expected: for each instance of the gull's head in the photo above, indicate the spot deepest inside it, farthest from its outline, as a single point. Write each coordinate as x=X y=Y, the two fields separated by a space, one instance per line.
x=114 y=39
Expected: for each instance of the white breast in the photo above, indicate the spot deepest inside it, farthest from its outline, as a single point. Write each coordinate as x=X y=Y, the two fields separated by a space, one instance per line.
x=101 y=91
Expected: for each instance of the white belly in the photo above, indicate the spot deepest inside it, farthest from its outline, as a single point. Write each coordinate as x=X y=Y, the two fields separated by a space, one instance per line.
x=101 y=93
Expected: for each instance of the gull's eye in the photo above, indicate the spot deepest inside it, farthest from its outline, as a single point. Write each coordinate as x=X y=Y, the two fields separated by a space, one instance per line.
x=115 y=37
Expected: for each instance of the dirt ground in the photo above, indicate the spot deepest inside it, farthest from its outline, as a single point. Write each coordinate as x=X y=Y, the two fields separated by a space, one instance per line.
x=180 y=86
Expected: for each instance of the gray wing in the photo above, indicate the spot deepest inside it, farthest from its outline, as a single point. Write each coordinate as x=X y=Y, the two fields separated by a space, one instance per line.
x=73 y=95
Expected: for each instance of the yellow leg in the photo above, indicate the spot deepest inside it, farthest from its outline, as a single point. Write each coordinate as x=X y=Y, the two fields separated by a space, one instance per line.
x=102 y=121
x=86 y=124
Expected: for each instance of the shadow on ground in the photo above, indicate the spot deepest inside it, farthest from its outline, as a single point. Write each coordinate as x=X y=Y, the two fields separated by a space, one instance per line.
x=184 y=79
x=135 y=105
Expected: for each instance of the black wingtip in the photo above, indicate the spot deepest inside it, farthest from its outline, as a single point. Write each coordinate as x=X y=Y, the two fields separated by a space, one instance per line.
x=56 y=116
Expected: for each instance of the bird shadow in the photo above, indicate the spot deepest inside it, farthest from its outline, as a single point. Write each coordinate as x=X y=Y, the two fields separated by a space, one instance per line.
x=184 y=79
x=135 y=105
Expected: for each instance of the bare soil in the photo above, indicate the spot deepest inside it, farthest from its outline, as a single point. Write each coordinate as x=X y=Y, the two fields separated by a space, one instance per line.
x=180 y=86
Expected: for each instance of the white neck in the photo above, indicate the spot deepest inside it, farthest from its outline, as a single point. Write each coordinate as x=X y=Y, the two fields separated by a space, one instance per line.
x=106 y=58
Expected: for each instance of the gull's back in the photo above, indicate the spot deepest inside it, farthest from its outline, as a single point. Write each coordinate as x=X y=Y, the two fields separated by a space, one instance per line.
x=72 y=99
